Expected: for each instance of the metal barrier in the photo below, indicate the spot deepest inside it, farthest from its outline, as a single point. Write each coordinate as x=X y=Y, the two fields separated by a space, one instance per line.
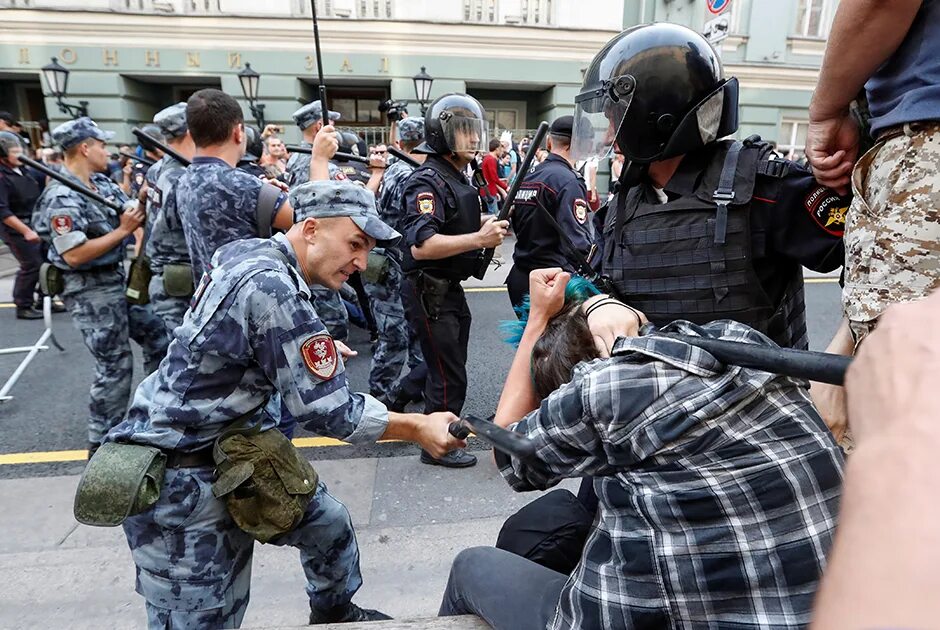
x=31 y=351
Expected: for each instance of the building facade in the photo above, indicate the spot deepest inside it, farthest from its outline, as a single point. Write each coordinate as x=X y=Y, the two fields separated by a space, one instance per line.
x=523 y=59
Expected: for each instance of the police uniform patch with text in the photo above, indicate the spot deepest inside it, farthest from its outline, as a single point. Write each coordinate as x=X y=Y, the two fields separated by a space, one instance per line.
x=61 y=224
x=426 y=203
x=827 y=209
x=319 y=353
x=580 y=210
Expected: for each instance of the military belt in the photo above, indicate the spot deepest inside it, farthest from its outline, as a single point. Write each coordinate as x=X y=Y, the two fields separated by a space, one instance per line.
x=195 y=459
x=99 y=269
x=906 y=129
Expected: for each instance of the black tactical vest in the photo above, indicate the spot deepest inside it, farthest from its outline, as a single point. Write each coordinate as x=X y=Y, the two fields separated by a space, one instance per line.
x=354 y=171
x=692 y=258
x=460 y=218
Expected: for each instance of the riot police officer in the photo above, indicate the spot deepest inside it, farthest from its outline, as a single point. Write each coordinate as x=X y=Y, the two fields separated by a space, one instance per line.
x=443 y=239
x=353 y=170
x=309 y=119
x=700 y=228
x=553 y=188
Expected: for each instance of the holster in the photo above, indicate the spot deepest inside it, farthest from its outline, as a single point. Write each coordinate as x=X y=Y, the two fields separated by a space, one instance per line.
x=138 y=281
x=178 y=280
x=119 y=481
x=265 y=482
x=50 y=279
x=433 y=293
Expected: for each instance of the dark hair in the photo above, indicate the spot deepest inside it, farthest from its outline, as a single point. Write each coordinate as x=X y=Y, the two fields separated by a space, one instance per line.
x=567 y=341
x=211 y=115
x=408 y=145
x=560 y=141
x=494 y=142
x=8 y=118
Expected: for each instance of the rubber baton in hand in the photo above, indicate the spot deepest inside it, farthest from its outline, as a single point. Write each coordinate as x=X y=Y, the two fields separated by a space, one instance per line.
x=149 y=141
x=511 y=195
x=404 y=157
x=511 y=443
x=68 y=183
x=349 y=157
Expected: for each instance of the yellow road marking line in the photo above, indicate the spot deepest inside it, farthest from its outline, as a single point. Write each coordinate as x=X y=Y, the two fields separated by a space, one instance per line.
x=485 y=290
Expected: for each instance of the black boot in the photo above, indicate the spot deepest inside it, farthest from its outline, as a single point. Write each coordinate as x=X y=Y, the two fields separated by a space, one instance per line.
x=344 y=614
x=28 y=313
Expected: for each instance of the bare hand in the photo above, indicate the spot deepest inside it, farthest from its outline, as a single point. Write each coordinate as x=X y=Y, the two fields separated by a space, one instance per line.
x=892 y=382
x=132 y=217
x=831 y=405
x=326 y=143
x=377 y=161
x=270 y=130
x=30 y=236
x=492 y=233
x=433 y=435
x=547 y=292
x=344 y=351
x=610 y=321
x=832 y=147
x=278 y=183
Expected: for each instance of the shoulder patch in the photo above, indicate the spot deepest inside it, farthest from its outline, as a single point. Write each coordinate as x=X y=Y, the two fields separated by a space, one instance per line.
x=827 y=209
x=61 y=224
x=426 y=203
x=580 y=210
x=319 y=353
x=339 y=176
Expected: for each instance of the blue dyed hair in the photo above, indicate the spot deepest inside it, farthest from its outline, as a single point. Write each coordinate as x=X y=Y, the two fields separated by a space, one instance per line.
x=577 y=290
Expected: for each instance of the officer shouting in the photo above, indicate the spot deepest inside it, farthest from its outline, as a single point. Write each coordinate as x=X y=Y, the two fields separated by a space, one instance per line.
x=443 y=242
x=551 y=187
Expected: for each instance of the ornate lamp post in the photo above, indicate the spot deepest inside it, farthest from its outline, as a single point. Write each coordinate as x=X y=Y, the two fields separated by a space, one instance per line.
x=423 y=82
x=249 y=80
x=57 y=79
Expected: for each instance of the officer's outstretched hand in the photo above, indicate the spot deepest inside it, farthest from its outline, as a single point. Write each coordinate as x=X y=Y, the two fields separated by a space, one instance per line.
x=492 y=233
x=326 y=143
x=433 y=436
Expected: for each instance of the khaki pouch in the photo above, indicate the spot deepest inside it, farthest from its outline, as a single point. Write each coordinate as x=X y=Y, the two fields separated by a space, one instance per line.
x=265 y=482
x=178 y=280
x=377 y=268
x=119 y=481
x=138 y=281
x=50 y=279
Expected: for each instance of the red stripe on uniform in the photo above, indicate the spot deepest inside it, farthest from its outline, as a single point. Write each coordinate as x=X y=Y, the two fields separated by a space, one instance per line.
x=764 y=200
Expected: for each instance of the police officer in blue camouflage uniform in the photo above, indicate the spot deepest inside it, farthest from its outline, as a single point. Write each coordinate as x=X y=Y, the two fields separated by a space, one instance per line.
x=253 y=332
x=328 y=303
x=87 y=246
x=383 y=287
x=166 y=242
x=551 y=187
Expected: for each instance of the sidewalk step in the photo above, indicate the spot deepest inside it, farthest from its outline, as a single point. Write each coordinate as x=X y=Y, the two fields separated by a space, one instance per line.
x=463 y=622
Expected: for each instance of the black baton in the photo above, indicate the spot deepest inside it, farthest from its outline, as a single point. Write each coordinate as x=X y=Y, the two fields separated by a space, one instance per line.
x=68 y=183
x=349 y=157
x=512 y=444
x=404 y=157
x=149 y=141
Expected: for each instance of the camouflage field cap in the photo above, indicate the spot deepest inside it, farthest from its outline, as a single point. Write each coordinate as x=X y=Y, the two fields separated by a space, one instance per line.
x=326 y=199
x=411 y=129
x=310 y=113
x=70 y=133
x=172 y=120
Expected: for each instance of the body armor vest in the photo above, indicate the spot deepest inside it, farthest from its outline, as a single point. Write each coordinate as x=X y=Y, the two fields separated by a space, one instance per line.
x=692 y=258
x=462 y=219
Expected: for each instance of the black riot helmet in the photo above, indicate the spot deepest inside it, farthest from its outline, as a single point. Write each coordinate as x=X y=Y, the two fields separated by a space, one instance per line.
x=658 y=91
x=454 y=123
x=348 y=142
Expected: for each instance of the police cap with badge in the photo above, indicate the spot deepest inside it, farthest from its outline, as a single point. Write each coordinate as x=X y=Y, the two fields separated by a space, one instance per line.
x=311 y=113
x=73 y=132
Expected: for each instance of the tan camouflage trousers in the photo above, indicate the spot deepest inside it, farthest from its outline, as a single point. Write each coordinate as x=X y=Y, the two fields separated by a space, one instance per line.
x=892 y=230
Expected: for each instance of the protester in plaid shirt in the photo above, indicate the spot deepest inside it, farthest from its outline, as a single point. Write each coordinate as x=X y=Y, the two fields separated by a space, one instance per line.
x=718 y=485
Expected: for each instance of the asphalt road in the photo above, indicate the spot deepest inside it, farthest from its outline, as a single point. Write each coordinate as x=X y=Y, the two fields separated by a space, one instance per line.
x=48 y=412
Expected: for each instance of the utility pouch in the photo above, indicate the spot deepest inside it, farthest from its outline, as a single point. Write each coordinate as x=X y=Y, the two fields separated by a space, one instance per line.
x=433 y=293
x=377 y=269
x=264 y=481
x=119 y=481
x=138 y=281
x=50 y=280
x=178 y=280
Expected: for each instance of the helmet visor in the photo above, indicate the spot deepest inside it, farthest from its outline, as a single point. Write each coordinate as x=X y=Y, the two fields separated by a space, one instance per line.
x=464 y=134
x=598 y=118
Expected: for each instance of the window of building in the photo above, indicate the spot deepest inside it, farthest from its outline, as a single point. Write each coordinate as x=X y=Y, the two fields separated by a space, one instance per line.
x=324 y=8
x=812 y=18
x=792 y=142
x=480 y=11
x=375 y=9
x=538 y=12
x=358 y=106
x=499 y=120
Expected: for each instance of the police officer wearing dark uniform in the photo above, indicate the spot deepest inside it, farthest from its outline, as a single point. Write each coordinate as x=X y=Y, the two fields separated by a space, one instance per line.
x=139 y=168
x=443 y=243
x=550 y=188
x=700 y=228
x=354 y=171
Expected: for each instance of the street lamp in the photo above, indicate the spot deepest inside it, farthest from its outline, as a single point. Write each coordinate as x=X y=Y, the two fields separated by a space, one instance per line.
x=57 y=78
x=249 y=80
x=423 y=82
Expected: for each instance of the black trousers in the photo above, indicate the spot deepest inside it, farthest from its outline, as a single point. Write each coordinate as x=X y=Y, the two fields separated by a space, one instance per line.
x=444 y=337
x=517 y=283
x=29 y=256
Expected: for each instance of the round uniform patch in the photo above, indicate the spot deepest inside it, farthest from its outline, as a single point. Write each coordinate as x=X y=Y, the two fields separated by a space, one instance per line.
x=319 y=353
x=827 y=209
x=61 y=224
x=580 y=210
x=426 y=203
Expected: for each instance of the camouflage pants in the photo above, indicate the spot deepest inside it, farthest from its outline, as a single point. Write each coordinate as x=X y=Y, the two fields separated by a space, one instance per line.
x=892 y=230
x=107 y=323
x=395 y=345
x=194 y=565
x=169 y=309
x=329 y=307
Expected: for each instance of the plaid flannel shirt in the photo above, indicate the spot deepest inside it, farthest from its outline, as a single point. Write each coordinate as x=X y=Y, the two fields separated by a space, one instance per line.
x=718 y=486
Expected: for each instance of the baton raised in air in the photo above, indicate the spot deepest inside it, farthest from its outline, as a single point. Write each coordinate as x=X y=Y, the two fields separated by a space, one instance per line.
x=349 y=157
x=149 y=141
x=511 y=195
x=512 y=444
x=404 y=157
